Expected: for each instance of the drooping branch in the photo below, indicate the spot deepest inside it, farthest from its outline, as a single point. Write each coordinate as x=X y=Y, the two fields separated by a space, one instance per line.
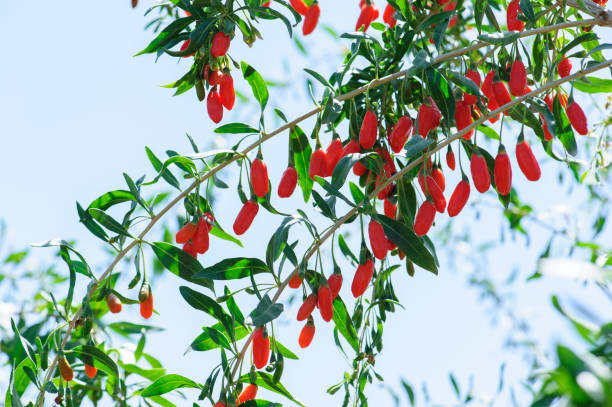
x=603 y=18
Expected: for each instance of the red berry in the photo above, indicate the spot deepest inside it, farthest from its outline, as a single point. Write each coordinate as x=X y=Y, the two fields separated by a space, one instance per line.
x=186 y=233
x=266 y=4
x=518 y=78
x=492 y=105
x=527 y=161
x=513 y=23
x=369 y=130
x=214 y=105
x=146 y=306
x=311 y=19
x=436 y=194
x=90 y=371
x=351 y=147
x=428 y=117
x=487 y=85
x=245 y=217
x=184 y=47
x=459 y=198
x=378 y=240
x=577 y=118
x=335 y=283
x=287 y=183
x=390 y=209
x=438 y=176
x=503 y=172
x=249 y=393
x=362 y=278
x=334 y=154
x=564 y=68
x=549 y=101
x=424 y=218
x=226 y=91
x=400 y=133
x=259 y=178
x=299 y=6
x=295 y=281
x=501 y=94
x=201 y=241
x=261 y=348
x=215 y=77
x=450 y=159
x=220 y=404
x=318 y=163
x=65 y=369
x=365 y=18
x=307 y=334
x=547 y=135
x=307 y=307
x=114 y=303
x=134 y=4
x=463 y=118
x=189 y=249
x=389 y=16
x=480 y=172
x=469 y=99
x=325 y=303
x=220 y=44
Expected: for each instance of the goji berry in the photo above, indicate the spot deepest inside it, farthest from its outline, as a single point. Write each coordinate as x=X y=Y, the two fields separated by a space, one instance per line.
x=318 y=163
x=186 y=233
x=220 y=404
x=474 y=76
x=502 y=172
x=436 y=194
x=201 y=240
x=351 y=147
x=390 y=209
x=215 y=77
x=261 y=348
x=299 y=6
x=245 y=217
x=362 y=278
x=335 y=283
x=400 y=133
x=459 y=197
x=146 y=306
x=214 y=106
x=369 y=130
x=334 y=154
x=226 y=91
x=564 y=67
x=220 y=44
x=365 y=18
x=502 y=96
x=90 y=371
x=480 y=172
x=134 y=4
x=311 y=19
x=307 y=307
x=378 y=240
x=527 y=161
x=307 y=334
x=249 y=393
x=450 y=159
x=547 y=135
x=189 y=249
x=438 y=176
x=266 y=4
x=518 y=78
x=259 y=178
x=428 y=117
x=65 y=369
x=424 y=218
x=295 y=281
x=513 y=23
x=287 y=183
x=463 y=118
x=487 y=84
x=389 y=16
x=325 y=302
x=577 y=118
x=492 y=105
x=114 y=303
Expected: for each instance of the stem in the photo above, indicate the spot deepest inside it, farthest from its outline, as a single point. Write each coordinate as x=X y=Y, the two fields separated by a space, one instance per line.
x=604 y=18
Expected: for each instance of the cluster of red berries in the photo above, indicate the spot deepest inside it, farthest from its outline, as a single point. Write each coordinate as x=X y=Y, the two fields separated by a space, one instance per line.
x=195 y=236
x=369 y=13
x=311 y=14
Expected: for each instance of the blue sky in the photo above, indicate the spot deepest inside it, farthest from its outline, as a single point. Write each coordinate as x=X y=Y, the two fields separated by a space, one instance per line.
x=77 y=110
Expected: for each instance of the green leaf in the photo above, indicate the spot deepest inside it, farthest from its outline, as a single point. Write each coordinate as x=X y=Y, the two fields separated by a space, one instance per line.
x=111 y=198
x=258 y=85
x=563 y=128
x=479 y=11
x=285 y=351
x=180 y=263
x=408 y=242
x=527 y=10
x=204 y=341
x=265 y=311
x=301 y=156
x=233 y=268
x=319 y=78
x=91 y=225
x=592 y=84
x=345 y=326
x=167 y=34
x=130 y=328
x=235 y=128
x=168 y=383
x=442 y=94
x=343 y=168
x=204 y=303
x=500 y=39
x=465 y=84
x=166 y=174
x=222 y=234
x=346 y=251
x=267 y=382
x=108 y=222
x=415 y=145
x=101 y=360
